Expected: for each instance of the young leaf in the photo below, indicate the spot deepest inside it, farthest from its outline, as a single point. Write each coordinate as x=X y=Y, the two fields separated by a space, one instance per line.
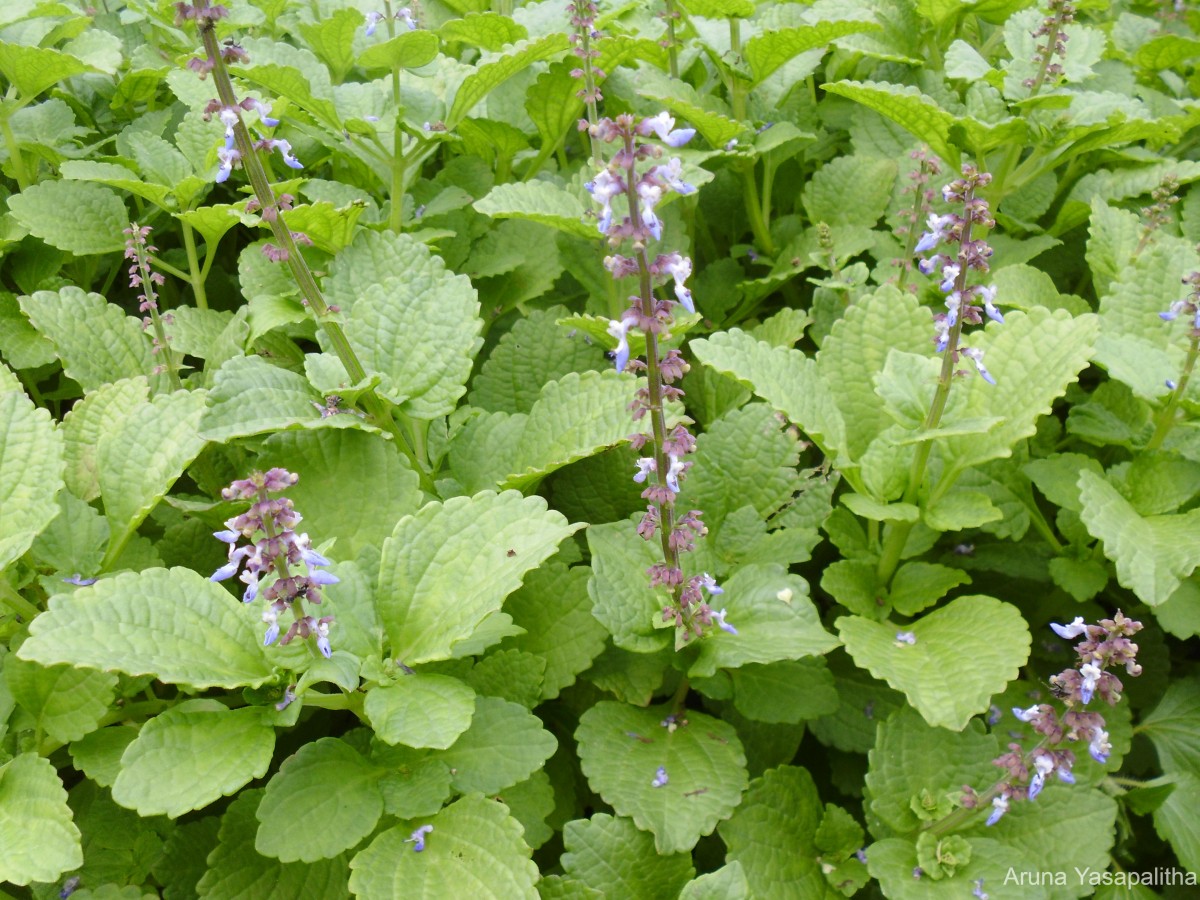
x=40 y=839
x=32 y=70
x=252 y=396
x=408 y=50
x=768 y=51
x=488 y=30
x=100 y=412
x=625 y=752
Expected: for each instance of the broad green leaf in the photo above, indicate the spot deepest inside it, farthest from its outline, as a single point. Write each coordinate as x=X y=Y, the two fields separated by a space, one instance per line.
x=530 y=802
x=236 y=869
x=771 y=834
x=893 y=861
x=1166 y=51
x=510 y=675
x=726 y=883
x=1153 y=554
x=863 y=703
x=474 y=848
x=720 y=9
x=963 y=653
x=335 y=464
x=40 y=839
x=64 y=702
x=419 y=330
x=183 y=858
x=32 y=70
x=332 y=39
x=712 y=120
x=31 y=473
x=625 y=750
x=98 y=754
x=610 y=856
x=622 y=600
x=101 y=411
x=505 y=744
x=1174 y=727
x=917 y=585
x=251 y=396
x=855 y=190
x=329 y=227
x=449 y=566
x=98 y=216
x=787 y=691
x=1113 y=236
x=420 y=710
x=489 y=31
x=552 y=103
x=192 y=754
x=300 y=824
x=211 y=221
x=95 y=340
x=1175 y=820
x=774 y=617
x=118 y=177
x=538 y=201
x=139 y=460
x=905 y=105
x=407 y=50
x=290 y=83
x=767 y=51
x=20 y=344
x=491 y=72
x=912 y=759
x=555 y=610
x=960 y=510
x=174 y=624
x=417 y=783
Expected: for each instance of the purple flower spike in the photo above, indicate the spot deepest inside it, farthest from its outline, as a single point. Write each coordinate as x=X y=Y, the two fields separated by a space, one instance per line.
x=417 y=839
x=660 y=777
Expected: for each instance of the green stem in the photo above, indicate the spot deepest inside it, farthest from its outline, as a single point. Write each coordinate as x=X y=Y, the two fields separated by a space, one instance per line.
x=352 y=702
x=164 y=266
x=14 y=154
x=197 y=278
x=1165 y=420
x=16 y=602
x=758 y=225
x=672 y=41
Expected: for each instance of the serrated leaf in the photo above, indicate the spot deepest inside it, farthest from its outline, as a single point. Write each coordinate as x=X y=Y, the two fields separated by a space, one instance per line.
x=774 y=618
x=98 y=754
x=538 y=201
x=40 y=840
x=118 y=177
x=32 y=70
x=530 y=802
x=788 y=691
x=767 y=51
x=622 y=601
x=490 y=73
x=31 y=473
x=474 y=842
x=917 y=585
x=959 y=510
x=235 y=869
x=1174 y=727
x=65 y=702
x=893 y=860
x=499 y=537
x=726 y=883
x=141 y=459
x=964 y=652
x=420 y=710
x=488 y=30
x=192 y=754
x=905 y=105
x=251 y=396
x=171 y=623
x=97 y=413
x=510 y=675
x=1175 y=820
x=98 y=216
x=289 y=82
x=300 y=824
x=552 y=103
x=609 y=855
x=623 y=750
x=856 y=190
x=95 y=340
x=505 y=744
x=720 y=9
x=20 y=344
x=1153 y=555
x=332 y=39
x=772 y=835
x=407 y=50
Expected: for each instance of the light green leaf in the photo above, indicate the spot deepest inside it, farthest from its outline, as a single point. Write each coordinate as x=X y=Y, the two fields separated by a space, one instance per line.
x=116 y=176
x=251 y=396
x=332 y=39
x=909 y=108
x=893 y=860
x=32 y=70
x=95 y=340
x=510 y=675
x=475 y=847
x=1166 y=51
x=959 y=510
x=421 y=710
x=1153 y=555
x=552 y=103
x=917 y=585
x=1081 y=578
x=236 y=869
x=39 y=838
x=98 y=754
x=63 y=701
x=489 y=31
x=139 y=460
x=609 y=855
x=31 y=473
x=505 y=744
x=475 y=550
x=99 y=412
x=875 y=511
x=491 y=72
x=721 y=9
x=964 y=61
x=408 y=50
x=300 y=822
x=788 y=691
x=538 y=201
x=530 y=802
x=767 y=51
x=772 y=835
x=174 y=624
x=622 y=600
x=329 y=227
x=188 y=756
x=1174 y=727
x=98 y=216
x=289 y=82
x=856 y=190
x=1113 y=236
x=964 y=652
x=774 y=618
x=20 y=344
x=726 y=883
x=623 y=751
x=1175 y=820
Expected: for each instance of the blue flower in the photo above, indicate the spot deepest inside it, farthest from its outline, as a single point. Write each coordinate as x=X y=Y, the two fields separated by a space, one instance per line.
x=317 y=576
x=226 y=571
x=1099 y=746
x=79 y=580
x=271 y=617
x=999 y=808
x=671 y=175
x=660 y=777
x=672 y=479
x=1025 y=715
x=989 y=298
x=226 y=157
x=229 y=537
x=645 y=466
x=604 y=187
x=950 y=274
x=373 y=20
x=1074 y=630
x=1089 y=674
x=709 y=583
x=976 y=356
x=680 y=269
x=285 y=150
x=619 y=328
x=663 y=125
x=1044 y=765
x=719 y=618
x=417 y=838
x=905 y=637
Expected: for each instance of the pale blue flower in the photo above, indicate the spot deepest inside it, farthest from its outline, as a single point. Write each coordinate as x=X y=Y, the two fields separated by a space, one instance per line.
x=989 y=299
x=79 y=581
x=1043 y=765
x=976 y=356
x=645 y=466
x=226 y=571
x=373 y=20
x=1074 y=630
x=710 y=584
x=1099 y=746
x=604 y=187
x=671 y=174
x=1089 y=674
x=229 y=537
x=663 y=125
x=226 y=157
x=674 y=472
x=619 y=328
x=317 y=576
x=417 y=839
x=999 y=808
x=905 y=637
x=719 y=618
x=1026 y=715
x=660 y=778
x=950 y=274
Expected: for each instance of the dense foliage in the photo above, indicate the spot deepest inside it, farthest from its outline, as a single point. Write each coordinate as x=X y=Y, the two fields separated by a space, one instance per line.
x=711 y=449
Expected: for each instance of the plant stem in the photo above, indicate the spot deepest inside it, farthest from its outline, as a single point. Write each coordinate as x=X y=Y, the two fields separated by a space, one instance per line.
x=14 y=154
x=16 y=602
x=197 y=278
x=672 y=41
x=1165 y=420
x=396 y=192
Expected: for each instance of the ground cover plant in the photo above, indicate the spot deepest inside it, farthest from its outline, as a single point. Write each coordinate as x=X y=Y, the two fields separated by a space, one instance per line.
x=713 y=448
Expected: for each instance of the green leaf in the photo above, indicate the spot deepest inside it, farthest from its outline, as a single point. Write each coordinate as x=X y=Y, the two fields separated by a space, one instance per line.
x=964 y=652
x=530 y=802
x=20 y=344
x=622 y=600
x=420 y=710
x=118 y=177
x=1175 y=820
x=623 y=751
x=139 y=460
x=98 y=216
x=173 y=624
x=905 y=105
x=772 y=835
x=510 y=675
x=1154 y=554
x=491 y=72
x=332 y=39
x=475 y=549
x=97 y=413
x=192 y=754
x=1165 y=52
x=32 y=70
x=39 y=838
x=329 y=227
x=1174 y=728
x=95 y=340
x=726 y=883
x=554 y=608
x=301 y=824
x=417 y=325
x=609 y=855
x=98 y=754
x=489 y=31
x=31 y=473
x=768 y=51
x=475 y=845
x=65 y=702
x=408 y=50
x=893 y=861
x=538 y=201
x=856 y=190
x=505 y=744
x=788 y=691
x=774 y=617
x=959 y=510
x=720 y=9
x=289 y=82
x=235 y=869
x=917 y=585
x=251 y=396
x=552 y=103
